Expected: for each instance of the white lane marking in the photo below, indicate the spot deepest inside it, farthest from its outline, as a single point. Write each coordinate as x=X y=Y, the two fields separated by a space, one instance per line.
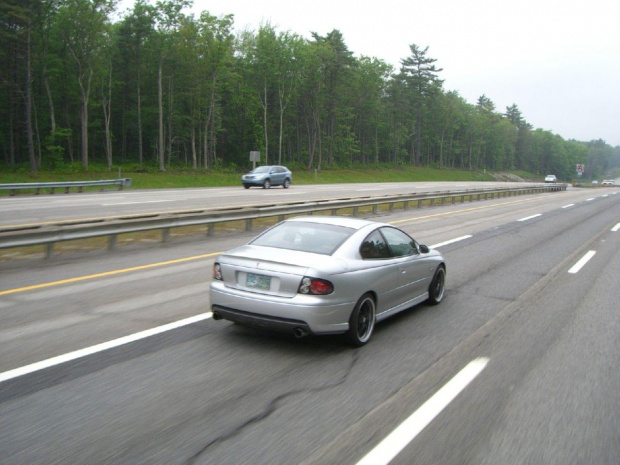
x=606 y=195
x=589 y=200
x=569 y=205
x=412 y=426
x=441 y=244
x=616 y=228
x=581 y=263
x=50 y=362
x=136 y=203
x=530 y=217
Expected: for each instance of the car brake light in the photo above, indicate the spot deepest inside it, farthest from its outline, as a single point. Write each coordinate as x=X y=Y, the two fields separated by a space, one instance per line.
x=315 y=286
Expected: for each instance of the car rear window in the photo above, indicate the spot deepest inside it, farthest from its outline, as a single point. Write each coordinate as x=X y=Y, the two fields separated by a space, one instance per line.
x=306 y=237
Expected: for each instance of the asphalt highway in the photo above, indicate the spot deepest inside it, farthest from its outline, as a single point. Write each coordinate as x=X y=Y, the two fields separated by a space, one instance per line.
x=28 y=209
x=113 y=357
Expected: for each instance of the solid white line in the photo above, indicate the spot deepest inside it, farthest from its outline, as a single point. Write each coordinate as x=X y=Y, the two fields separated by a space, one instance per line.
x=396 y=441
x=581 y=263
x=50 y=362
x=569 y=205
x=616 y=228
x=530 y=217
x=452 y=241
x=135 y=203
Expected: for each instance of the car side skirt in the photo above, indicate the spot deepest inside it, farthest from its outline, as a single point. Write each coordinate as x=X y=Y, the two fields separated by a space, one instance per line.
x=410 y=303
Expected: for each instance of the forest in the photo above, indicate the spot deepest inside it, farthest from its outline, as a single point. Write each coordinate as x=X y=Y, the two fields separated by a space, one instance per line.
x=157 y=87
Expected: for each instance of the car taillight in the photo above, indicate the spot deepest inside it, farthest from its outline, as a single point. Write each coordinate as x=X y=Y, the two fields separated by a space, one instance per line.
x=217 y=272
x=315 y=286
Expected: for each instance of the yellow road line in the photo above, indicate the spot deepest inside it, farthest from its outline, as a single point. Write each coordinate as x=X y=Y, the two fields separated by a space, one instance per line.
x=107 y=273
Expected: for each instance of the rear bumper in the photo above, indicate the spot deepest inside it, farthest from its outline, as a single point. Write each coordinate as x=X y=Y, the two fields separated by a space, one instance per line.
x=309 y=313
x=281 y=325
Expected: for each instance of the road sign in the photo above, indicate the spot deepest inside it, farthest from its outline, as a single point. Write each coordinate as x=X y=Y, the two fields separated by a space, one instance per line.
x=581 y=168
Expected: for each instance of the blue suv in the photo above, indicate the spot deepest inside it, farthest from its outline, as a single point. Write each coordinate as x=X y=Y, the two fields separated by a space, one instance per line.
x=267 y=176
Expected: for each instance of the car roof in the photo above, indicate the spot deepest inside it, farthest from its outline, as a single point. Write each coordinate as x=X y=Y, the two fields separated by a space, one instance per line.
x=348 y=222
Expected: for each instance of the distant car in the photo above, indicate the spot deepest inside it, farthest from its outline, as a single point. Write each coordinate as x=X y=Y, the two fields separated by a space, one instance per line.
x=325 y=275
x=595 y=182
x=551 y=178
x=608 y=182
x=267 y=176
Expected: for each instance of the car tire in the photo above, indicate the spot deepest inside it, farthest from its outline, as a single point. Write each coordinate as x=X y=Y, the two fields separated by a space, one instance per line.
x=437 y=288
x=362 y=321
x=287 y=183
x=266 y=184
x=247 y=186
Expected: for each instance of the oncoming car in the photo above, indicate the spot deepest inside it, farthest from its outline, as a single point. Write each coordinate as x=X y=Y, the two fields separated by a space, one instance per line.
x=607 y=182
x=551 y=178
x=267 y=176
x=325 y=275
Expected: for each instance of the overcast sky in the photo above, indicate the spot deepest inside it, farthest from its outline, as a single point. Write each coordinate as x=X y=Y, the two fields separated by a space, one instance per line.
x=558 y=60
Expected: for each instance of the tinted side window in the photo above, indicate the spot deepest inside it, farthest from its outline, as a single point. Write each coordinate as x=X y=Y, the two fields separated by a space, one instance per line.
x=400 y=243
x=374 y=246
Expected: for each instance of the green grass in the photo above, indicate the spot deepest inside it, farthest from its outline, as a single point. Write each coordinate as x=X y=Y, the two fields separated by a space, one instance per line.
x=189 y=178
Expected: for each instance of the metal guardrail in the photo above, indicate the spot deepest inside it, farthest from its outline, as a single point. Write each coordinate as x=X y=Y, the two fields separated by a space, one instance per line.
x=49 y=234
x=66 y=185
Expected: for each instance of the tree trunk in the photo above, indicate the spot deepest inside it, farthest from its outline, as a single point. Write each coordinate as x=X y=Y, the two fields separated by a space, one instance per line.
x=160 y=145
x=265 y=123
x=28 y=98
x=139 y=119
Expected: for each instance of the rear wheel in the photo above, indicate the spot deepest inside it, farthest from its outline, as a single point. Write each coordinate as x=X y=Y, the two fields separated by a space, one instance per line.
x=247 y=186
x=438 y=285
x=362 y=321
x=287 y=183
x=266 y=184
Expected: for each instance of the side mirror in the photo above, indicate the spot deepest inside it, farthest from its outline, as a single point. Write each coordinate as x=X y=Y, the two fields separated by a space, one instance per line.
x=424 y=248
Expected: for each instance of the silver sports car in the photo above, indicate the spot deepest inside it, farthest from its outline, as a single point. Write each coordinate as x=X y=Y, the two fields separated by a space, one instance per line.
x=325 y=275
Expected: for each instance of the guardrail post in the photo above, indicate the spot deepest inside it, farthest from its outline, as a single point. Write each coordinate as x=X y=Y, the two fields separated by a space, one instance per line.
x=165 y=235
x=391 y=206
x=49 y=250
x=248 y=224
x=420 y=203
x=355 y=211
x=112 y=241
x=406 y=205
x=210 y=229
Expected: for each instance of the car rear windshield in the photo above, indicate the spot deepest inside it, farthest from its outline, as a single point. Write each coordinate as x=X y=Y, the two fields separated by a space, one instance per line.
x=306 y=237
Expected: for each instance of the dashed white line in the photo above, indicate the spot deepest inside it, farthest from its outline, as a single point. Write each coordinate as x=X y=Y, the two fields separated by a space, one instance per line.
x=50 y=362
x=452 y=241
x=590 y=200
x=530 y=217
x=569 y=205
x=616 y=228
x=396 y=441
x=581 y=263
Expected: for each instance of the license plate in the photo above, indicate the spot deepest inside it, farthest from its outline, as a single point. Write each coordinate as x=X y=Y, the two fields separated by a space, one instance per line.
x=257 y=281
